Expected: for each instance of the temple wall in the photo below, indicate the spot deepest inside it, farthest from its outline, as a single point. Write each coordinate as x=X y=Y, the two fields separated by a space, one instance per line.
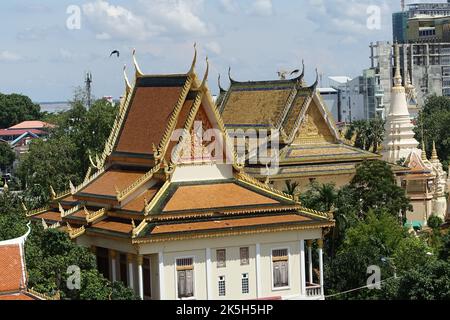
x=233 y=271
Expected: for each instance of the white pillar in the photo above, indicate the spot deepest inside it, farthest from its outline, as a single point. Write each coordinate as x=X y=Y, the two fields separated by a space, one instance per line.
x=302 y=268
x=113 y=255
x=320 y=244
x=162 y=295
x=310 y=264
x=208 y=274
x=130 y=270
x=140 y=261
x=258 y=272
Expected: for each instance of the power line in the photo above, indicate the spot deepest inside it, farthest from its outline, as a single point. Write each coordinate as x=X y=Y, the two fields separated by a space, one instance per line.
x=360 y=288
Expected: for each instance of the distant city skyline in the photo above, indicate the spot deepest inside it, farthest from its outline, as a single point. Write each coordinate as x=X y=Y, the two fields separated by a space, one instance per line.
x=40 y=56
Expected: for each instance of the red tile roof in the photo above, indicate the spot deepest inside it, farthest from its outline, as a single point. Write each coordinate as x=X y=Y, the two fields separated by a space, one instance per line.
x=11 y=268
x=32 y=125
x=19 y=132
x=214 y=196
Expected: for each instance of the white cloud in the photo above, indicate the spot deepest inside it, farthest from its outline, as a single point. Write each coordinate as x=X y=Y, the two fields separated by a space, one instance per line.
x=213 y=47
x=176 y=16
x=116 y=21
x=347 y=17
x=262 y=8
x=230 y=6
x=8 y=56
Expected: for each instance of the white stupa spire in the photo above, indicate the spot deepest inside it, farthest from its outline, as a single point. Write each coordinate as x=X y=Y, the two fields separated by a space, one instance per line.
x=399 y=137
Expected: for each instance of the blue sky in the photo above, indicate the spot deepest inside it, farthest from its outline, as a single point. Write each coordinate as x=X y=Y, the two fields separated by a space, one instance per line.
x=42 y=58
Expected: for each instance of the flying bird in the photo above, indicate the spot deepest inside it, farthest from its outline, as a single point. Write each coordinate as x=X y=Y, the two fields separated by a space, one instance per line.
x=115 y=52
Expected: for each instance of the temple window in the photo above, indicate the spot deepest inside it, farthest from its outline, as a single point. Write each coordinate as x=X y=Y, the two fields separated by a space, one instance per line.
x=185 y=277
x=222 y=287
x=280 y=265
x=244 y=254
x=221 y=258
x=245 y=284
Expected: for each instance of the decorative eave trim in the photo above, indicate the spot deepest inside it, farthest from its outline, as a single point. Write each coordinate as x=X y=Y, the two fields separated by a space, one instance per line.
x=215 y=213
x=42 y=296
x=92 y=217
x=75 y=233
x=85 y=183
x=137 y=230
x=36 y=212
x=122 y=195
x=247 y=179
x=219 y=234
x=68 y=212
x=156 y=198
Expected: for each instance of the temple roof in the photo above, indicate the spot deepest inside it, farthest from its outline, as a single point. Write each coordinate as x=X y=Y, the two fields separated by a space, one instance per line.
x=147 y=184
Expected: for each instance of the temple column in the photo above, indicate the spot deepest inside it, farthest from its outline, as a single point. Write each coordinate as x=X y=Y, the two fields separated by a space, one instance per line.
x=302 y=269
x=162 y=295
x=320 y=244
x=130 y=270
x=140 y=262
x=113 y=255
x=208 y=274
x=310 y=264
x=258 y=271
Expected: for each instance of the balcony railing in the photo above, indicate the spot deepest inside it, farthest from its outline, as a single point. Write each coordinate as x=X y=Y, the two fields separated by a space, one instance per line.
x=313 y=290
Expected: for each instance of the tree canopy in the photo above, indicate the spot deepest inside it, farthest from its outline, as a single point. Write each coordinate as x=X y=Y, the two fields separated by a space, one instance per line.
x=7 y=156
x=15 y=108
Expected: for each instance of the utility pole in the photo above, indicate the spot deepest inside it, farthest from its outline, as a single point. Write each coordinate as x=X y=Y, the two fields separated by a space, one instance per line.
x=88 y=82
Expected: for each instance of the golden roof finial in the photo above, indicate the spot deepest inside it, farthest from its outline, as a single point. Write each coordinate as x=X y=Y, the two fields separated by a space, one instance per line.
x=424 y=152
x=434 y=155
x=194 y=61
x=127 y=82
x=205 y=77
x=133 y=223
x=139 y=73
x=53 y=193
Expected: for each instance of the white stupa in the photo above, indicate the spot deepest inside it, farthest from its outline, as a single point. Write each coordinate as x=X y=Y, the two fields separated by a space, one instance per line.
x=399 y=137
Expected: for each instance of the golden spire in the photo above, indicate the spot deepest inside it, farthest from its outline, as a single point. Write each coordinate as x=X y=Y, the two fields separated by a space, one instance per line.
x=434 y=155
x=194 y=61
x=424 y=152
x=127 y=82
x=398 y=75
x=139 y=73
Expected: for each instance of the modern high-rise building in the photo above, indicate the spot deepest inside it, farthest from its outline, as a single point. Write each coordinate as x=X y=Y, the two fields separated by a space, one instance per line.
x=423 y=30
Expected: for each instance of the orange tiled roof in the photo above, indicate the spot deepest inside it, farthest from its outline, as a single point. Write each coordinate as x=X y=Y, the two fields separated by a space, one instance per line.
x=137 y=204
x=32 y=125
x=229 y=223
x=214 y=196
x=11 y=268
x=106 y=183
x=18 y=296
x=49 y=216
x=108 y=225
x=146 y=121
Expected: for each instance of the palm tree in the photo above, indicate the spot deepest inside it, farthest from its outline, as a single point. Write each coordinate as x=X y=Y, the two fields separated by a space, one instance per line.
x=291 y=188
x=376 y=133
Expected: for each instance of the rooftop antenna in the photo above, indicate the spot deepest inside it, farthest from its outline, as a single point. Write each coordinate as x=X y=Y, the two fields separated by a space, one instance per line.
x=88 y=82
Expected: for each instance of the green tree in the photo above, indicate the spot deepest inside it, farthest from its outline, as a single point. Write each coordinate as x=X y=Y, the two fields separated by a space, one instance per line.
x=321 y=197
x=50 y=253
x=12 y=218
x=15 y=108
x=434 y=121
x=374 y=188
x=7 y=156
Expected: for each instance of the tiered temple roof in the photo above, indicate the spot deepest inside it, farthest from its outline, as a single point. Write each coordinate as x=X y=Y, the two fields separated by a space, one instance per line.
x=145 y=187
x=310 y=143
